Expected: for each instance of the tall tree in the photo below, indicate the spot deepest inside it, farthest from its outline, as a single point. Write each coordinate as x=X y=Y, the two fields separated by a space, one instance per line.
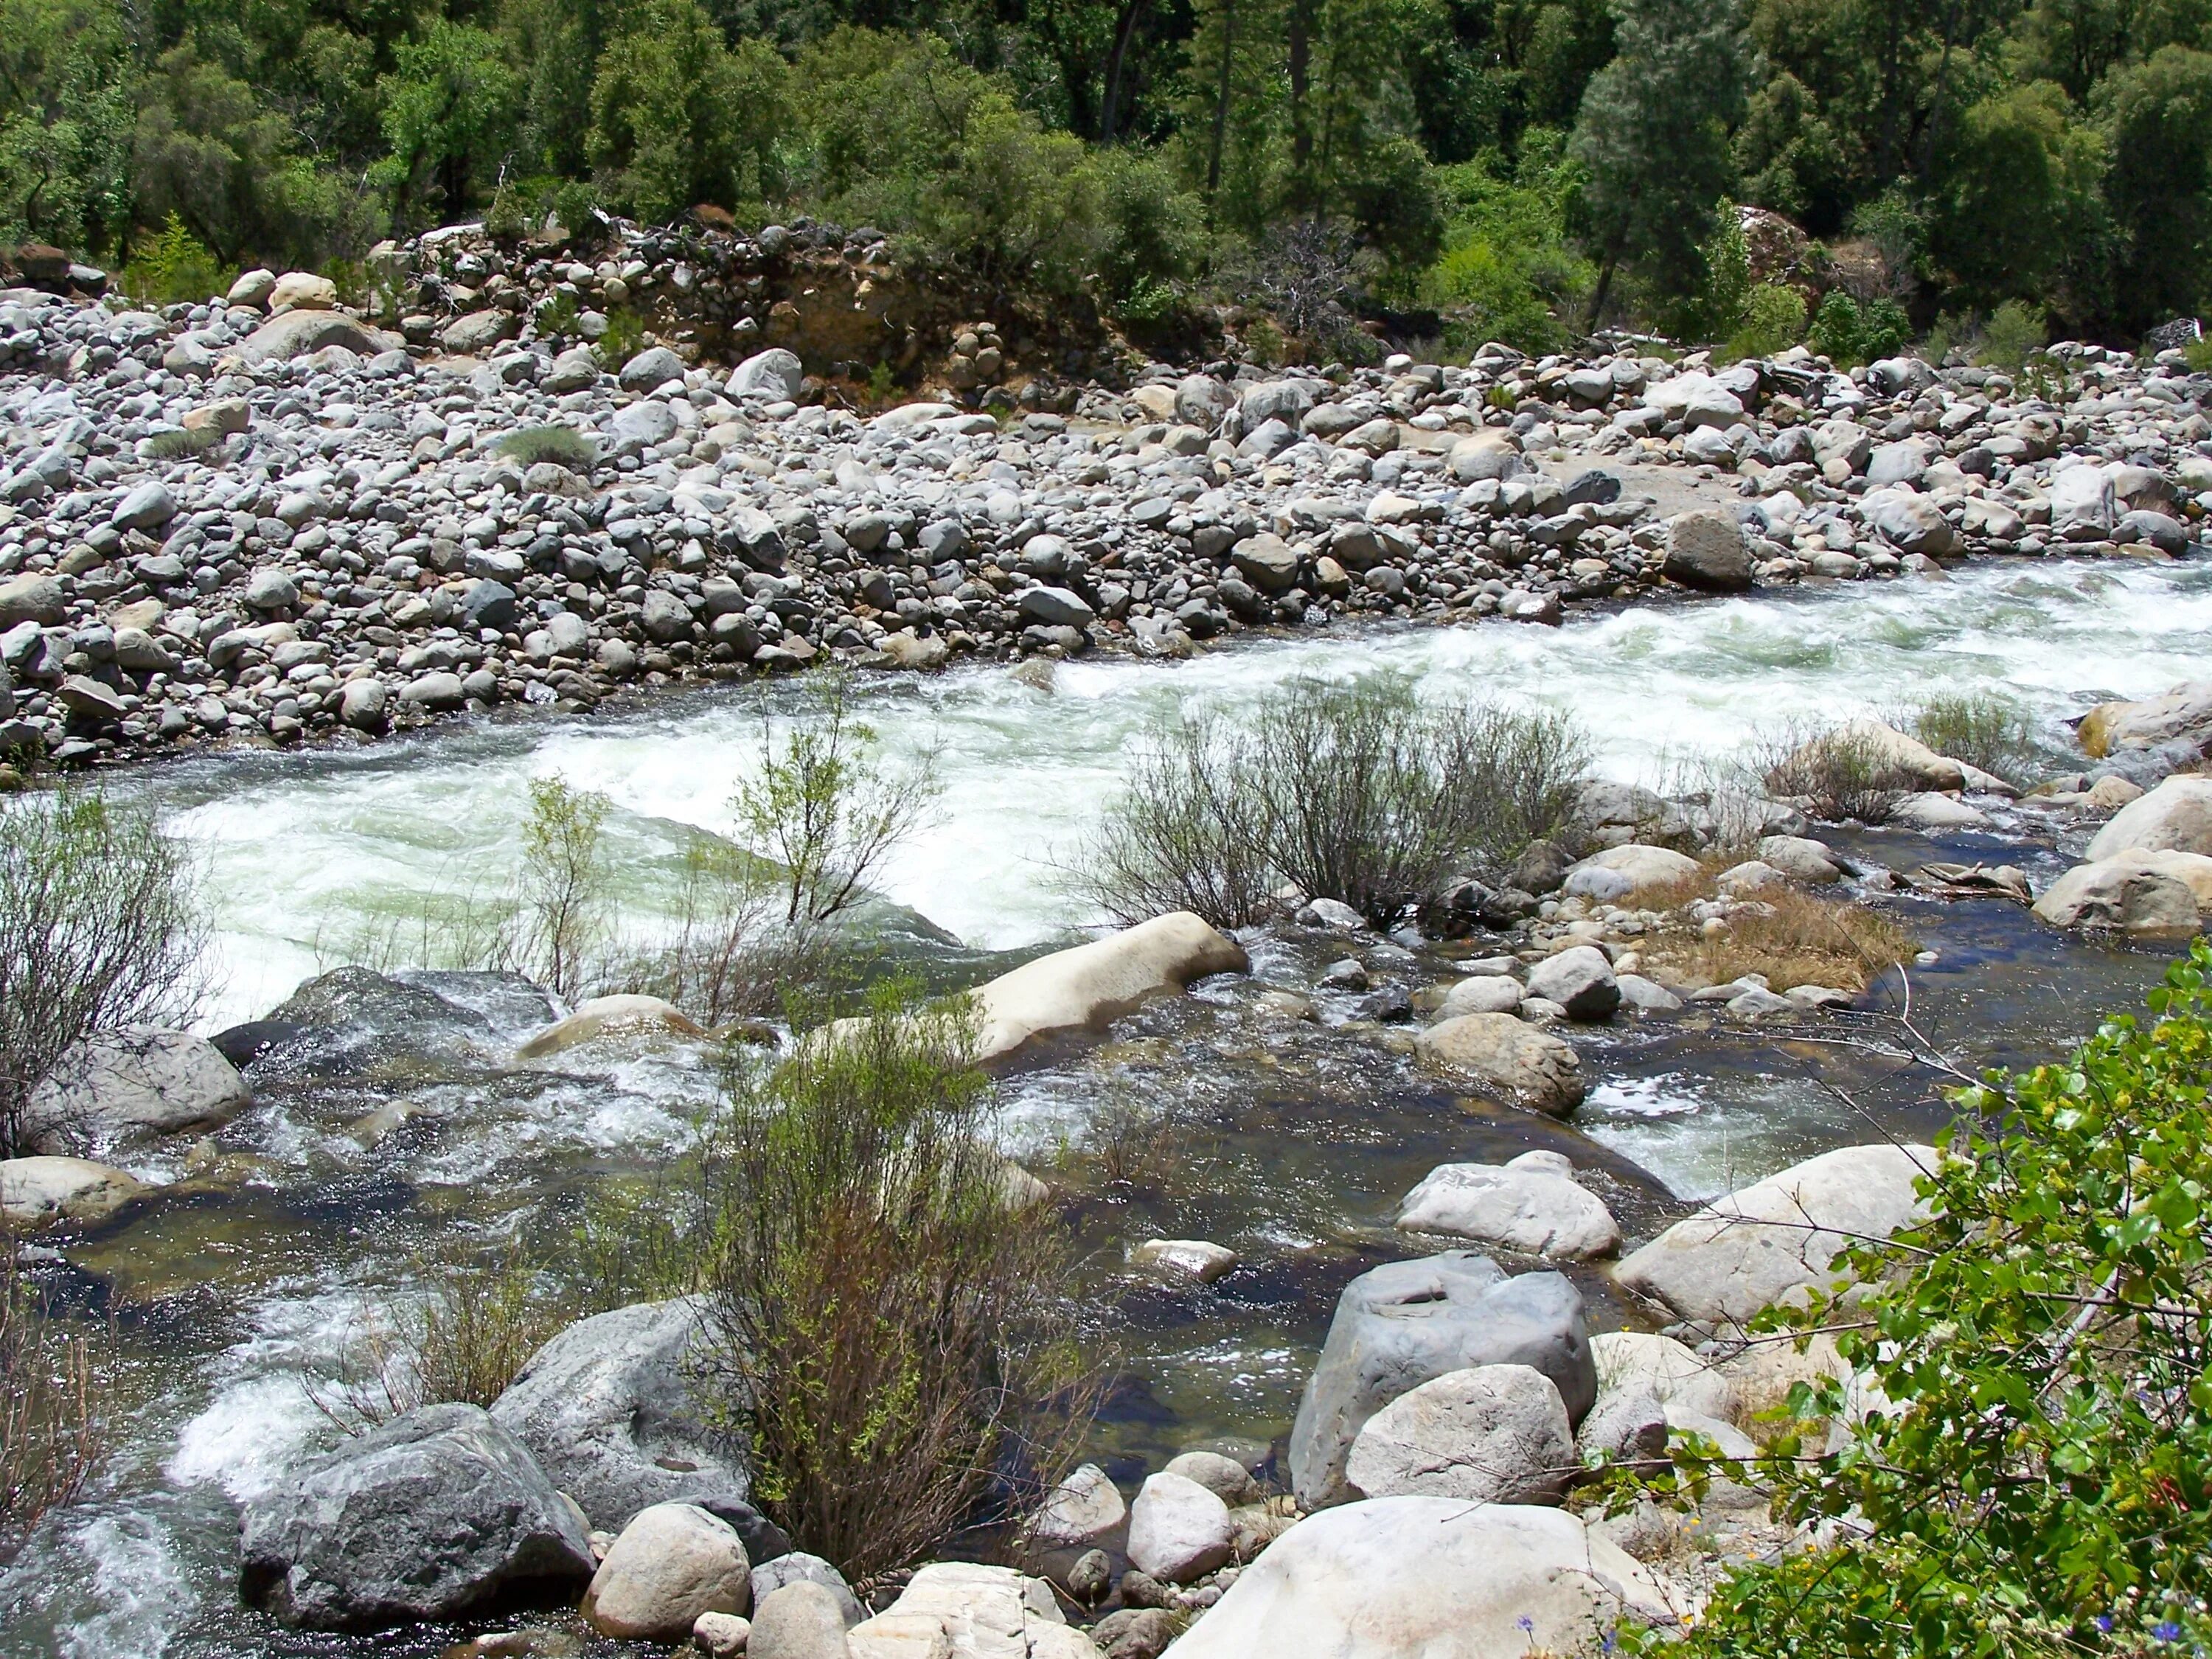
x=1653 y=136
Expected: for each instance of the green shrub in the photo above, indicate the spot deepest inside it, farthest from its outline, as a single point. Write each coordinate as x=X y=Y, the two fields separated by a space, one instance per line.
x=2015 y=331
x=1773 y=320
x=2198 y=354
x=1982 y=729
x=1351 y=791
x=1847 y=333
x=1842 y=774
x=820 y=809
x=100 y=927
x=563 y=445
x=624 y=339
x=565 y=911
x=174 y=267
x=459 y=1333
x=2025 y=1467
x=180 y=444
x=1507 y=272
x=893 y=1330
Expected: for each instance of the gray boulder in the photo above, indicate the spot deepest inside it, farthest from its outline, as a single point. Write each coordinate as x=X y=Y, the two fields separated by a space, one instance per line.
x=1504 y=1057
x=1780 y=1236
x=774 y=374
x=800 y=1620
x=300 y=333
x=1706 y=549
x=148 y=506
x=479 y=330
x=1056 y=607
x=609 y=1407
x=1580 y=980
x=1406 y=1322
x=650 y=370
x=1491 y=1434
x=1178 y=1529
x=439 y=1514
x=130 y=1086
x=797 y=1567
x=647 y=422
x=1532 y=1203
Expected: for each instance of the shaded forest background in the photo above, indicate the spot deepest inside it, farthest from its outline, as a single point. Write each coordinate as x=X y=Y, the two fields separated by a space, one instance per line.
x=1523 y=168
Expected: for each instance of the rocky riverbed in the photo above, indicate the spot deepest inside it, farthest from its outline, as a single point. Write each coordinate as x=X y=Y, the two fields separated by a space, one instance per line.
x=265 y=520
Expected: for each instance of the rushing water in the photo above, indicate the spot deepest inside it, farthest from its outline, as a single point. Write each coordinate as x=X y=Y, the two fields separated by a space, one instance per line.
x=1290 y=1141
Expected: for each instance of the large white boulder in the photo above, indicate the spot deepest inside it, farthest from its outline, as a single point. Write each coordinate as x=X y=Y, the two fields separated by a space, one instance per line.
x=1083 y=1511
x=1778 y=1237
x=1674 y=1372
x=2184 y=712
x=1528 y=1204
x=1086 y=987
x=1492 y=1434
x=1435 y=1577
x=2176 y=816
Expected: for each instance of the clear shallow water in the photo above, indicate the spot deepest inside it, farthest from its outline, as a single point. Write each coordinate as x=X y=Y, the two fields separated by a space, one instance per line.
x=1289 y=1141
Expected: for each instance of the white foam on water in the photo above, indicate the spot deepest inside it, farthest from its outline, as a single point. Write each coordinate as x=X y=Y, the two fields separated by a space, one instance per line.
x=300 y=856
x=138 y=1581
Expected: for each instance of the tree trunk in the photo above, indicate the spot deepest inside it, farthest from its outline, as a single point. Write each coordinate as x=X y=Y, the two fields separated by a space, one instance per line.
x=1221 y=98
x=1300 y=64
x=1109 y=104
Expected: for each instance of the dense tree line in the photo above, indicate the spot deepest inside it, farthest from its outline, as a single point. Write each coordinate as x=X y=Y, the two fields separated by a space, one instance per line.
x=1525 y=165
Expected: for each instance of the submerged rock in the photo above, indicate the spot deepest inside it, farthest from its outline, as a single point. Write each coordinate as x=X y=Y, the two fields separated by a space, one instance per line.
x=611 y=1016
x=439 y=1514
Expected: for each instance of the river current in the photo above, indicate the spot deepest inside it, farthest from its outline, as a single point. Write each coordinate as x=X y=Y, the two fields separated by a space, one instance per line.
x=1296 y=1140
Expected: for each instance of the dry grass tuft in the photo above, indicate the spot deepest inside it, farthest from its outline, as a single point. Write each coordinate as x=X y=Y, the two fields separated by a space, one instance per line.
x=1791 y=938
x=54 y=1406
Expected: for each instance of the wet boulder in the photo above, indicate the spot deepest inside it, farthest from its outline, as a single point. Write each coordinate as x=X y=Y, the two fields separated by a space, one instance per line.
x=1406 y=1322
x=1780 y=1236
x=1531 y=1203
x=439 y=1514
x=131 y=1086
x=611 y=1409
x=2132 y=892
x=1503 y=1056
x=1580 y=980
x=37 y=1191
x=608 y=1016
x=1491 y=1434
x=1088 y=986
x=1436 y=1576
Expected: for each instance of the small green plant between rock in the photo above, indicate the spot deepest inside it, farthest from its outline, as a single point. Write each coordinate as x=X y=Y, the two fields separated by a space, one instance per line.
x=562 y=446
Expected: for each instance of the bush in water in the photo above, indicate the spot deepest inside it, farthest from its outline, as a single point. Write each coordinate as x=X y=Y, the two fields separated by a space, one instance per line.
x=1981 y=728
x=2025 y=1464
x=469 y=1322
x=889 y=1308
x=564 y=879
x=1838 y=774
x=1353 y=792
x=100 y=927
x=54 y=1402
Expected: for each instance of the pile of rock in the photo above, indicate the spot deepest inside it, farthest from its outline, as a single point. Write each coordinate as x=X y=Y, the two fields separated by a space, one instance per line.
x=265 y=517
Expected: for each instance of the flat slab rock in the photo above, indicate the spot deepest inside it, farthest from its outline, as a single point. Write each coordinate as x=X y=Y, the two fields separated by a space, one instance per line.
x=959 y=1610
x=1778 y=1236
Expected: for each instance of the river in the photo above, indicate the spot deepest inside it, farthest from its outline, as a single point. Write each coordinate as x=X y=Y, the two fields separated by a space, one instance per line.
x=1290 y=1143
